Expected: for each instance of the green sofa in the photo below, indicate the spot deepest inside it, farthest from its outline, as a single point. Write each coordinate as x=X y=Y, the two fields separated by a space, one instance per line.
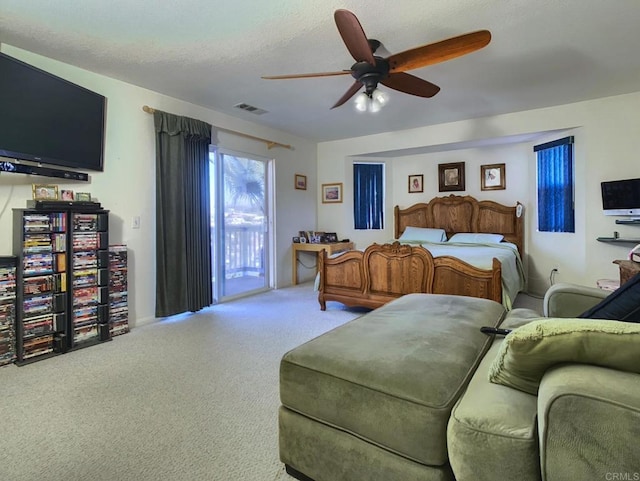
x=403 y=393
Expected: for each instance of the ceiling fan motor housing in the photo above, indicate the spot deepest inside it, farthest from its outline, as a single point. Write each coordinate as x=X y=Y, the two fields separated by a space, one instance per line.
x=369 y=75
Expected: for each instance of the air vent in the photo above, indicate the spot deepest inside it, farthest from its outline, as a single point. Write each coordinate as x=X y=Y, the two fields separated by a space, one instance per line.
x=250 y=108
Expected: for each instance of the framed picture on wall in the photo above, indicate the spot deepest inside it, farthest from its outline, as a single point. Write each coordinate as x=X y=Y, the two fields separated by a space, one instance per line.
x=301 y=182
x=416 y=183
x=451 y=177
x=332 y=193
x=492 y=177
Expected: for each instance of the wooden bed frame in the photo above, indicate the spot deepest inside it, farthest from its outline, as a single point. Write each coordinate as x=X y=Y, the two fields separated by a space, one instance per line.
x=383 y=272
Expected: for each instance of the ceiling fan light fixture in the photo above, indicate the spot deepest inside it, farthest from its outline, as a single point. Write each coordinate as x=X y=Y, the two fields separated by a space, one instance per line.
x=379 y=97
x=361 y=102
x=373 y=102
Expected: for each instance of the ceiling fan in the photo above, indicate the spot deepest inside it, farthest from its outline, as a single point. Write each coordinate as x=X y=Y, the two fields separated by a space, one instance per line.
x=369 y=69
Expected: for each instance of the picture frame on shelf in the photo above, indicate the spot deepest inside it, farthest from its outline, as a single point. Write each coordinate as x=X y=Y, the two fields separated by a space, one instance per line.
x=300 y=182
x=330 y=237
x=44 y=191
x=83 y=197
x=416 y=183
x=451 y=177
x=66 y=194
x=492 y=177
x=332 y=193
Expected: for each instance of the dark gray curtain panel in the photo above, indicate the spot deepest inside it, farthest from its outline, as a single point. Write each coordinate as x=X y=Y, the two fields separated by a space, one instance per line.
x=183 y=215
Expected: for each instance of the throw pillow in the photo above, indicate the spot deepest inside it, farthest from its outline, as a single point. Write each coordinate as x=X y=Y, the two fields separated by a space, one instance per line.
x=527 y=352
x=423 y=234
x=623 y=304
x=476 y=238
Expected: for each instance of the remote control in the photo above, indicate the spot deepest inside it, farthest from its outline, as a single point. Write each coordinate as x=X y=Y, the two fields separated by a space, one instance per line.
x=495 y=330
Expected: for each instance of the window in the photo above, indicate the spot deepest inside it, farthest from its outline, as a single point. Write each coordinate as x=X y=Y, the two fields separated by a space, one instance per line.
x=555 y=186
x=368 y=195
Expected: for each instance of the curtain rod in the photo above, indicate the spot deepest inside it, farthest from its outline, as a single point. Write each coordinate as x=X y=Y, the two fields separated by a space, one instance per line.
x=270 y=143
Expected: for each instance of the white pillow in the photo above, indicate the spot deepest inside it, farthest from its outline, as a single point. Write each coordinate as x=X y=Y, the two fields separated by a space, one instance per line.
x=476 y=238
x=423 y=234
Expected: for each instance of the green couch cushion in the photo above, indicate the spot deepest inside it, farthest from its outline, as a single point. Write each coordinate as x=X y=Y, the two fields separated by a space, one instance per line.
x=530 y=350
x=492 y=433
x=392 y=376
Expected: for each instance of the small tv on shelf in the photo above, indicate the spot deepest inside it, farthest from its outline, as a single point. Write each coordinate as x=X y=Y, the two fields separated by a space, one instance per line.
x=621 y=197
x=49 y=120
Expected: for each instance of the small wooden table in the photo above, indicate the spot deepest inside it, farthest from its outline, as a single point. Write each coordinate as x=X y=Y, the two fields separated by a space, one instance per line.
x=331 y=248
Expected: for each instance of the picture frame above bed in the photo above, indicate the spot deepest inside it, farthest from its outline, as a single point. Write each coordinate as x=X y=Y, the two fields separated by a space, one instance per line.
x=416 y=183
x=451 y=177
x=492 y=177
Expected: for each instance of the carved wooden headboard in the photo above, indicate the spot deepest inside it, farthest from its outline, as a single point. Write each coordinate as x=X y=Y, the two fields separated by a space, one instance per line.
x=455 y=214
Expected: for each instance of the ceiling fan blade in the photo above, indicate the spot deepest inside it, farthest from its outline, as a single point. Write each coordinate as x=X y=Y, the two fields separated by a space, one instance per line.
x=357 y=85
x=410 y=84
x=353 y=36
x=439 y=51
x=306 y=75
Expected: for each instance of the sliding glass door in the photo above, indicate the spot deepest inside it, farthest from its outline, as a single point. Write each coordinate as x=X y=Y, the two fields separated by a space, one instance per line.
x=241 y=233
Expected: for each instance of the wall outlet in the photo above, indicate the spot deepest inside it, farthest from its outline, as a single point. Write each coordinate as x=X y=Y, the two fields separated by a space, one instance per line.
x=135 y=222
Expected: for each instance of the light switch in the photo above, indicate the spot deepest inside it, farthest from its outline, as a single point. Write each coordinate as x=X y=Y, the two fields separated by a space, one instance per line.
x=135 y=222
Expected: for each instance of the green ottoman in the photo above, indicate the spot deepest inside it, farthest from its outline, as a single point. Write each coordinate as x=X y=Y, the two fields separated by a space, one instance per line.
x=370 y=400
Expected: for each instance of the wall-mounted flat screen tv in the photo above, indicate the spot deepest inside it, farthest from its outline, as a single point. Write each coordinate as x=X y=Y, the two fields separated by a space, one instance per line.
x=49 y=120
x=621 y=197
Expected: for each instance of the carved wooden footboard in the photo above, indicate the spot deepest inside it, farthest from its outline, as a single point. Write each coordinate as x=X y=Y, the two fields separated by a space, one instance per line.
x=384 y=272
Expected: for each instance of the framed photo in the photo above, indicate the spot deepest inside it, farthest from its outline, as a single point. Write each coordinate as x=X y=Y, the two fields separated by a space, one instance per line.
x=492 y=177
x=83 y=196
x=66 y=194
x=416 y=183
x=44 y=192
x=330 y=237
x=451 y=176
x=296 y=240
x=332 y=193
x=301 y=182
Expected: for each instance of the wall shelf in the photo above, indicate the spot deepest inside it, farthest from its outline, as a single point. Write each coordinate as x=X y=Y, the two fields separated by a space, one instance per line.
x=618 y=240
x=628 y=221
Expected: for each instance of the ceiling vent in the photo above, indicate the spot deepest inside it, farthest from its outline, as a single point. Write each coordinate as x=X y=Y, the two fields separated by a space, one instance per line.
x=250 y=108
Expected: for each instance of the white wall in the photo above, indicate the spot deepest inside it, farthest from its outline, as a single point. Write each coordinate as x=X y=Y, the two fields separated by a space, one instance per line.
x=605 y=149
x=127 y=185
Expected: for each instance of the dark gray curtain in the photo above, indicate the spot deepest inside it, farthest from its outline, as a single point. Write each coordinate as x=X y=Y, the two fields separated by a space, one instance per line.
x=183 y=233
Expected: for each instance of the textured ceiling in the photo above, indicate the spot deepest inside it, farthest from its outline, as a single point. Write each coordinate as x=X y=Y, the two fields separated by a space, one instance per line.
x=213 y=53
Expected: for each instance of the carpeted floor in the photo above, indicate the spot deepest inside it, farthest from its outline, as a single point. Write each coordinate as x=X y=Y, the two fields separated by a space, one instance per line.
x=194 y=397
x=191 y=398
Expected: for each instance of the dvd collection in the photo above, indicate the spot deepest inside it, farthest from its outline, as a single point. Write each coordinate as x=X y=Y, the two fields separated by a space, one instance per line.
x=90 y=276
x=7 y=310
x=43 y=282
x=118 y=308
x=60 y=281
x=66 y=288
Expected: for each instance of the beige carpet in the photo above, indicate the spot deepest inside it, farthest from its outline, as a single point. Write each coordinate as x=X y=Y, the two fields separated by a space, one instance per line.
x=191 y=398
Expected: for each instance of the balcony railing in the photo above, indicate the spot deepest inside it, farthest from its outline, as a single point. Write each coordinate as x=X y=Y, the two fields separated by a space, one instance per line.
x=244 y=250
